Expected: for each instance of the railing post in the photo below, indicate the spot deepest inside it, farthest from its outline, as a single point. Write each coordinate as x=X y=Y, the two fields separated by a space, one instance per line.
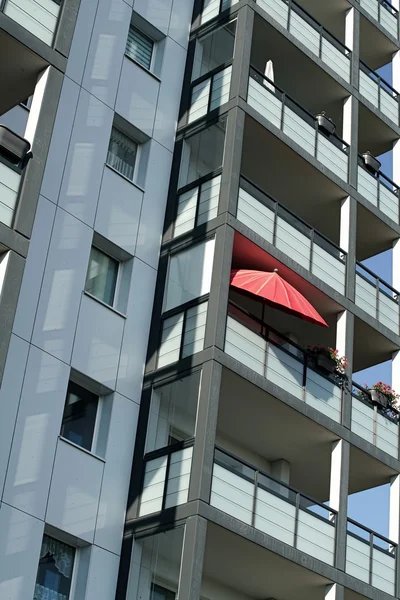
x=311 y=249
x=371 y=550
x=296 y=519
x=253 y=513
x=377 y=298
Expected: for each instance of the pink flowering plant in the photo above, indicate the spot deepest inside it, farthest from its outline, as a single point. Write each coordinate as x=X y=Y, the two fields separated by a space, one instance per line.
x=341 y=361
x=389 y=392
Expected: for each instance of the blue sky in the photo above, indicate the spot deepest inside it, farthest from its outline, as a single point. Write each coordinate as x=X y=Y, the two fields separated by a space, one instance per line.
x=363 y=507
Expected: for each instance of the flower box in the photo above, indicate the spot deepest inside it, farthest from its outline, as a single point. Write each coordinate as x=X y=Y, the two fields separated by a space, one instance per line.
x=325 y=123
x=12 y=146
x=372 y=164
x=325 y=363
x=378 y=398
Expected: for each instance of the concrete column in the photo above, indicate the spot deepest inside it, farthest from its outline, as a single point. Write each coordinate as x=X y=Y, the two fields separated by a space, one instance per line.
x=192 y=559
x=241 y=61
x=352 y=41
x=334 y=592
x=394 y=521
x=344 y=343
x=339 y=484
x=396 y=161
x=396 y=374
x=348 y=233
x=396 y=67
x=350 y=135
x=280 y=470
x=396 y=264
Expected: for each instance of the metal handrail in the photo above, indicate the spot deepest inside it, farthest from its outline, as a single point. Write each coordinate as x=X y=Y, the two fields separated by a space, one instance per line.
x=338 y=142
x=375 y=534
x=380 y=281
x=384 y=179
x=275 y=481
x=299 y=219
x=389 y=7
x=380 y=80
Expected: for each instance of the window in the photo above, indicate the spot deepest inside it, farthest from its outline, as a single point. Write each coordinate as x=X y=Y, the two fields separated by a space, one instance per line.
x=214 y=49
x=54 y=574
x=161 y=593
x=79 y=416
x=202 y=153
x=139 y=47
x=122 y=154
x=101 y=279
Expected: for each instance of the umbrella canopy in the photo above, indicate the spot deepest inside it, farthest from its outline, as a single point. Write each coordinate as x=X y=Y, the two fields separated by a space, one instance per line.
x=277 y=292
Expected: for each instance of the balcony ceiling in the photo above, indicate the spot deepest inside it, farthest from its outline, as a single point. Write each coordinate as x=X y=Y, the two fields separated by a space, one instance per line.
x=370 y=347
x=19 y=70
x=330 y=14
x=376 y=49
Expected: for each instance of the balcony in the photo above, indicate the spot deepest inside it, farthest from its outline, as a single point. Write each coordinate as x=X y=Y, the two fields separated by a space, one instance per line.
x=377 y=298
x=377 y=91
x=379 y=190
x=280 y=227
x=40 y=17
x=14 y=155
x=297 y=123
x=311 y=34
x=383 y=12
x=280 y=361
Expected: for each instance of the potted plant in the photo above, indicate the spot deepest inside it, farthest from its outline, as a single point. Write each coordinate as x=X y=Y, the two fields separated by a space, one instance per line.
x=12 y=146
x=328 y=360
x=325 y=123
x=371 y=163
x=383 y=395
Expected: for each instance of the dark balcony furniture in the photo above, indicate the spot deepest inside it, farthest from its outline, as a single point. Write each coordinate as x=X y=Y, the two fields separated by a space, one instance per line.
x=324 y=363
x=379 y=398
x=13 y=147
x=371 y=163
x=325 y=123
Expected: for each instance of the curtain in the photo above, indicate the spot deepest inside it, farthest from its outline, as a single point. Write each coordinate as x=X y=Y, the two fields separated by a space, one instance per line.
x=63 y=557
x=44 y=593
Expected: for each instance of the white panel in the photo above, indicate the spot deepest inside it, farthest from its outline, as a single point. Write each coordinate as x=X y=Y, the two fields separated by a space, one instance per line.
x=332 y=157
x=335 y=59
x=97 y=344
x=136 y=331
x=264 y=102
x=293 y=243
x=306 y=34
x=369 y=88
x=154 y=201
x=275 y=516
x=329 y=269
x=323 y=394
x=255 y=215
x=367 y=186
x=232 y=494
x=388 y=21
x=118 y=211
x=86 y=156
x=137 y=96
x=10 y=390
x=81 y=40
x=179 y=24
x=357 y=558
x=35 y=264
x=189 y=274
x=20 y=543
x=388 y=312
x=362 y=420
x=210 y=10
x=365 y=296
x=6 y=213
x=316 y=537
x=245 y=345
x=9 y=185
x=383 y=571
x=388 y=203
x=103 y=573
x=199 y=100
x=389 y=106
x=195 y=327
x=153 y=486
x=117 y=470
x=107 y=45
x=158 y=12
x=277 y=9
x=178 y=477
x=60 y=138
x=298 y=130
x=186 y=212
x=35 y=437
x=285 y=370
x=387 y=435
x=220 y=88
x=170 y=341
x=74 y=491
x=208 y=202
x=62 y=287
x=37 y=16
x=371 y=6
x=170 y=94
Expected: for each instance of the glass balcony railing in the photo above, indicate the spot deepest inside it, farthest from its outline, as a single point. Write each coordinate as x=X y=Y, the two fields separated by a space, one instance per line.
x=253 y=497
x=371 y=557
x=377 y=298
x=381 y=191
x=209 y=92
x=281 y=361
x=310 y=33
x=294 y=237
x=14 y=156
x=166 y=478
x=375 y=89
x=376 y=424
x=40 y=17
x=197 y=203
x=383 y=12
x=297 y=123
x=212 y=8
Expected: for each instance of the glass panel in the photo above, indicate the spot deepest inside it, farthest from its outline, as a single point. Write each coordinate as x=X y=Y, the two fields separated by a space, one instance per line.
x=155 y=566
x=79 y=416
x=214 y=49
x=173 y=412
x=53 y=580
x=189 y=274
x=139 y=47
x=202 y=153
x=101 y=277
x=121 y=154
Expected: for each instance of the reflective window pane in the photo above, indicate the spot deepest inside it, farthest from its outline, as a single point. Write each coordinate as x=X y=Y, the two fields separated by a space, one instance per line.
x=102 y=274
x=79 y=416
x=214 y=49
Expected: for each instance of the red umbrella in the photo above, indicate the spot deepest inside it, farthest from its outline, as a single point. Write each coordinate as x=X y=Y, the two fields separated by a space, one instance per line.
x=277 y=292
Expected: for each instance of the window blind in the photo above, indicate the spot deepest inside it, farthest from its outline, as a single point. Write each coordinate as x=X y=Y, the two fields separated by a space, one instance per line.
x=122 y=153
x=139 y=47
